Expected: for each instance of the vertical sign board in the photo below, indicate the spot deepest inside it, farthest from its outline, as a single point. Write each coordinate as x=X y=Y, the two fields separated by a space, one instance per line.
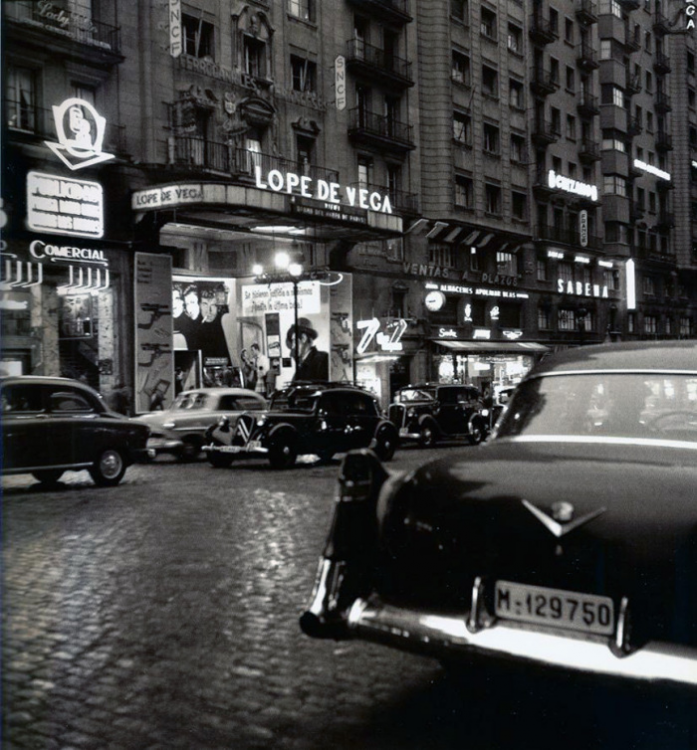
x=340 y=82
x=175 y=28
x=583 y=227
x=154 y=360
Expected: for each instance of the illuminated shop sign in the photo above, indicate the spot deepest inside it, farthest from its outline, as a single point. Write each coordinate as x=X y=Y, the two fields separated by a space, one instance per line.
x=80 y=129
x=388 y=340
x=690 y=10
x=434 y=301
x=481 y=333
x=61 y=205
x=175 y=28
x=59 y=253
x=651 y=169
x=476 y=291
x=321 y=190
x=513 y=334
x=582 y=289
x=569 y=185
x=447 y=333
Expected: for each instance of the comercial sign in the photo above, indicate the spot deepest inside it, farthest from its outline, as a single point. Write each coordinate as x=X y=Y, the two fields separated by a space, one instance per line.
x=389 y=340
x=476 y=291
x=62 y=205
x=582 y=289
x=175 y=28
x=639 y=164
x=340 y=82
x=569 y=185
x=583 y=227
x=80 y=129
x=331 y=193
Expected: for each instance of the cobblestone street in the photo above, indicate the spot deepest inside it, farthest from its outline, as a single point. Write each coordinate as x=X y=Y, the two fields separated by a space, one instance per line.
x=164 y=614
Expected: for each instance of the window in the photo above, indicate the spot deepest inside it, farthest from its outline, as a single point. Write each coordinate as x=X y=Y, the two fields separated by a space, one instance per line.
x=516 y=94
x=462 y=129
x=491 y=139
x=490 y=83
x=570 y=79
x=461 y=68
x=612 y=141
x=515 y=38
x=544 y=319
x=365 y=171
x=493 y=199
x=459 y=10
x=198 y=37
x=571 y=127
x=567 y=320
x=650 y=324
x=86 y=93
x=305 y=148
x=464 y=192
x=488 y=24
x=303 y=9
x=519 y=207
x=21 y=104
x=610 y=7
x=568 y=30
x=566 y=272
x=541 y=269
x=686 y=327
x=649 y=82
x=554 y=21
x=554 y=69
x=555 y=122
x=647 y=42
x=304 y=73
x=614 y=185
x=506 y=264
x=649 y=286
x=440 y=254
x=518 y=150
x=605 y=49
x=649 y=122
x=254 y=56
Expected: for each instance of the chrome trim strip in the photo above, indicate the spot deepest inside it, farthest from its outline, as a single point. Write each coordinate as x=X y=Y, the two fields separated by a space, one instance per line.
x=623 y=371
x=420 y=631
x=30 y=469
x=600 y=440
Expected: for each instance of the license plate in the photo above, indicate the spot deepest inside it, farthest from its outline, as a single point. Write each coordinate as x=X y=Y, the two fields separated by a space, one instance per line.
x=403 y=431
x=554 y=607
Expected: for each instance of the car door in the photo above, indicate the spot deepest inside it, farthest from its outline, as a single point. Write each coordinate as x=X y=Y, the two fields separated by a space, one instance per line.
x=361 y=418
x=25 y=442
x=450 y=414
x=74 y=426
x=329 y=432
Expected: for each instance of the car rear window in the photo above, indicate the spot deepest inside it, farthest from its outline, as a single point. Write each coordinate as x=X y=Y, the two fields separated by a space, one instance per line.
x=22 y=398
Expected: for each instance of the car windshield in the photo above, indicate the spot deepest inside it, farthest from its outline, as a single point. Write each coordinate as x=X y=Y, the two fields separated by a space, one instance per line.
x=617 y=405
x=410 y=395
x=193 y=400
x=304 y=401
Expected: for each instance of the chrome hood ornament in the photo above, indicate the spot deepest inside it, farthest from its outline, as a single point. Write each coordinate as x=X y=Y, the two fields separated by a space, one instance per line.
x=560 y=522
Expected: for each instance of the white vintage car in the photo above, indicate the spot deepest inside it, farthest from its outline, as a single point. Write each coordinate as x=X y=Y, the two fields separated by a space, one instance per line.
x=180 y=429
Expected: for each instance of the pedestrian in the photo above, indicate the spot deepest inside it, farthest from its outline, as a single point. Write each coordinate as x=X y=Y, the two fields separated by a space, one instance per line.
x=261 y=367
x=312 y=363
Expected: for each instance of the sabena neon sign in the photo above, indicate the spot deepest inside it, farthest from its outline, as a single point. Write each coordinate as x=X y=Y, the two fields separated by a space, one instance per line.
x=329 y=192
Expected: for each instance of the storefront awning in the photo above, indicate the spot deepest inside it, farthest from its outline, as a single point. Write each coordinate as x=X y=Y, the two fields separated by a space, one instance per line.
x=521 y=347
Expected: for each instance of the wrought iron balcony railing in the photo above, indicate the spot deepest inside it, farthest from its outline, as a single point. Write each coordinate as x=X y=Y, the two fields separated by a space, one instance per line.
x=383 y=128
x=381 y=61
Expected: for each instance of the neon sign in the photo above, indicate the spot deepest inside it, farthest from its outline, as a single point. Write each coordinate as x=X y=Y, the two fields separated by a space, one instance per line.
x=80 y=129
x=388 y=342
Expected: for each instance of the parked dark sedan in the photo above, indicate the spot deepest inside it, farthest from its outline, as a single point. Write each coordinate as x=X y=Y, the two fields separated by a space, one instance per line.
x=320 y=419
x=428 y=412
x=569 y=540
x=50 y=425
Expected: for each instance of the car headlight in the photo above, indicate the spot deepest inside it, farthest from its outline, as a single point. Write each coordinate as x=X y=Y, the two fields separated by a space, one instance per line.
x=485 y=412
x=261 y=421
x=411 y=413
x=169 y=425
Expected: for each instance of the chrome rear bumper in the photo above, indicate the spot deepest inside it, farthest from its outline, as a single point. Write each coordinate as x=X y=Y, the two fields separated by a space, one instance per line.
x=448 y=636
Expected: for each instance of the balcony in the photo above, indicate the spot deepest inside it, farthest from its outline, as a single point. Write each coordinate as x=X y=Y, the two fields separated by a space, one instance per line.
x=541 y=186
x=541 y=30
x=587 y=12
x=545 y=133
x=543 y=83
x=391 y=11
x=33 y=125
x=369 y=128
x=377 y=63
x=633 y=85
x=662 y=102
x=664 y=141
x=195 y=154
x=65 y=32
x=564 y=236
x=588 y=105
x=587 y=58
x=402 y=202
x=661 y=25
x=588 y=151
x=661 y=63
x=666 y=221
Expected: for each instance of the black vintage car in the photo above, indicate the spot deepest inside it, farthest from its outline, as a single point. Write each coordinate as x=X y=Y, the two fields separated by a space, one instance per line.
x=50 y=425
x=429 y=412
x=321 y=419
x=568 y=540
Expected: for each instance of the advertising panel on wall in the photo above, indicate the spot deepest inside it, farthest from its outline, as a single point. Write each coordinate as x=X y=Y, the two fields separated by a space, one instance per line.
x=154 y=377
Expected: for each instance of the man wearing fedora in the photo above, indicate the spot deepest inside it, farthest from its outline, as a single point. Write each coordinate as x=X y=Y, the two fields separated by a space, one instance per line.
x=312 y=364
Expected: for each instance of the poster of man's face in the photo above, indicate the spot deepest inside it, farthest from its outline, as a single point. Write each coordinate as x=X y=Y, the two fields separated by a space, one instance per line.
x=75 y=315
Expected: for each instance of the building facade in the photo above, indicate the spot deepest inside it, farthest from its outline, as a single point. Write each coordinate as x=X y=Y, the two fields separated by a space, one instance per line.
x=458 y=187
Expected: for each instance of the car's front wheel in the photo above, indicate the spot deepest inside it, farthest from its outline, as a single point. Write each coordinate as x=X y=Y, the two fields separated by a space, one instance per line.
x=219 y=460
x=48 y=477
x=282 y=452
x=109 y=468
x=477 y=432
x=427 y=435
x=385 y=444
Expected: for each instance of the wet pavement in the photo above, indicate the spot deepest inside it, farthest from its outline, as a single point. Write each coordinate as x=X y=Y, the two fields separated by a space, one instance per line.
x=163 y=614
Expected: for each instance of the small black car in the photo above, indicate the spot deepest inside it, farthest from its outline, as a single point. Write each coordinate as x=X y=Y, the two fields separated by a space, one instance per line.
x=321 y=419
x=431 y=411
x=50 y=425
